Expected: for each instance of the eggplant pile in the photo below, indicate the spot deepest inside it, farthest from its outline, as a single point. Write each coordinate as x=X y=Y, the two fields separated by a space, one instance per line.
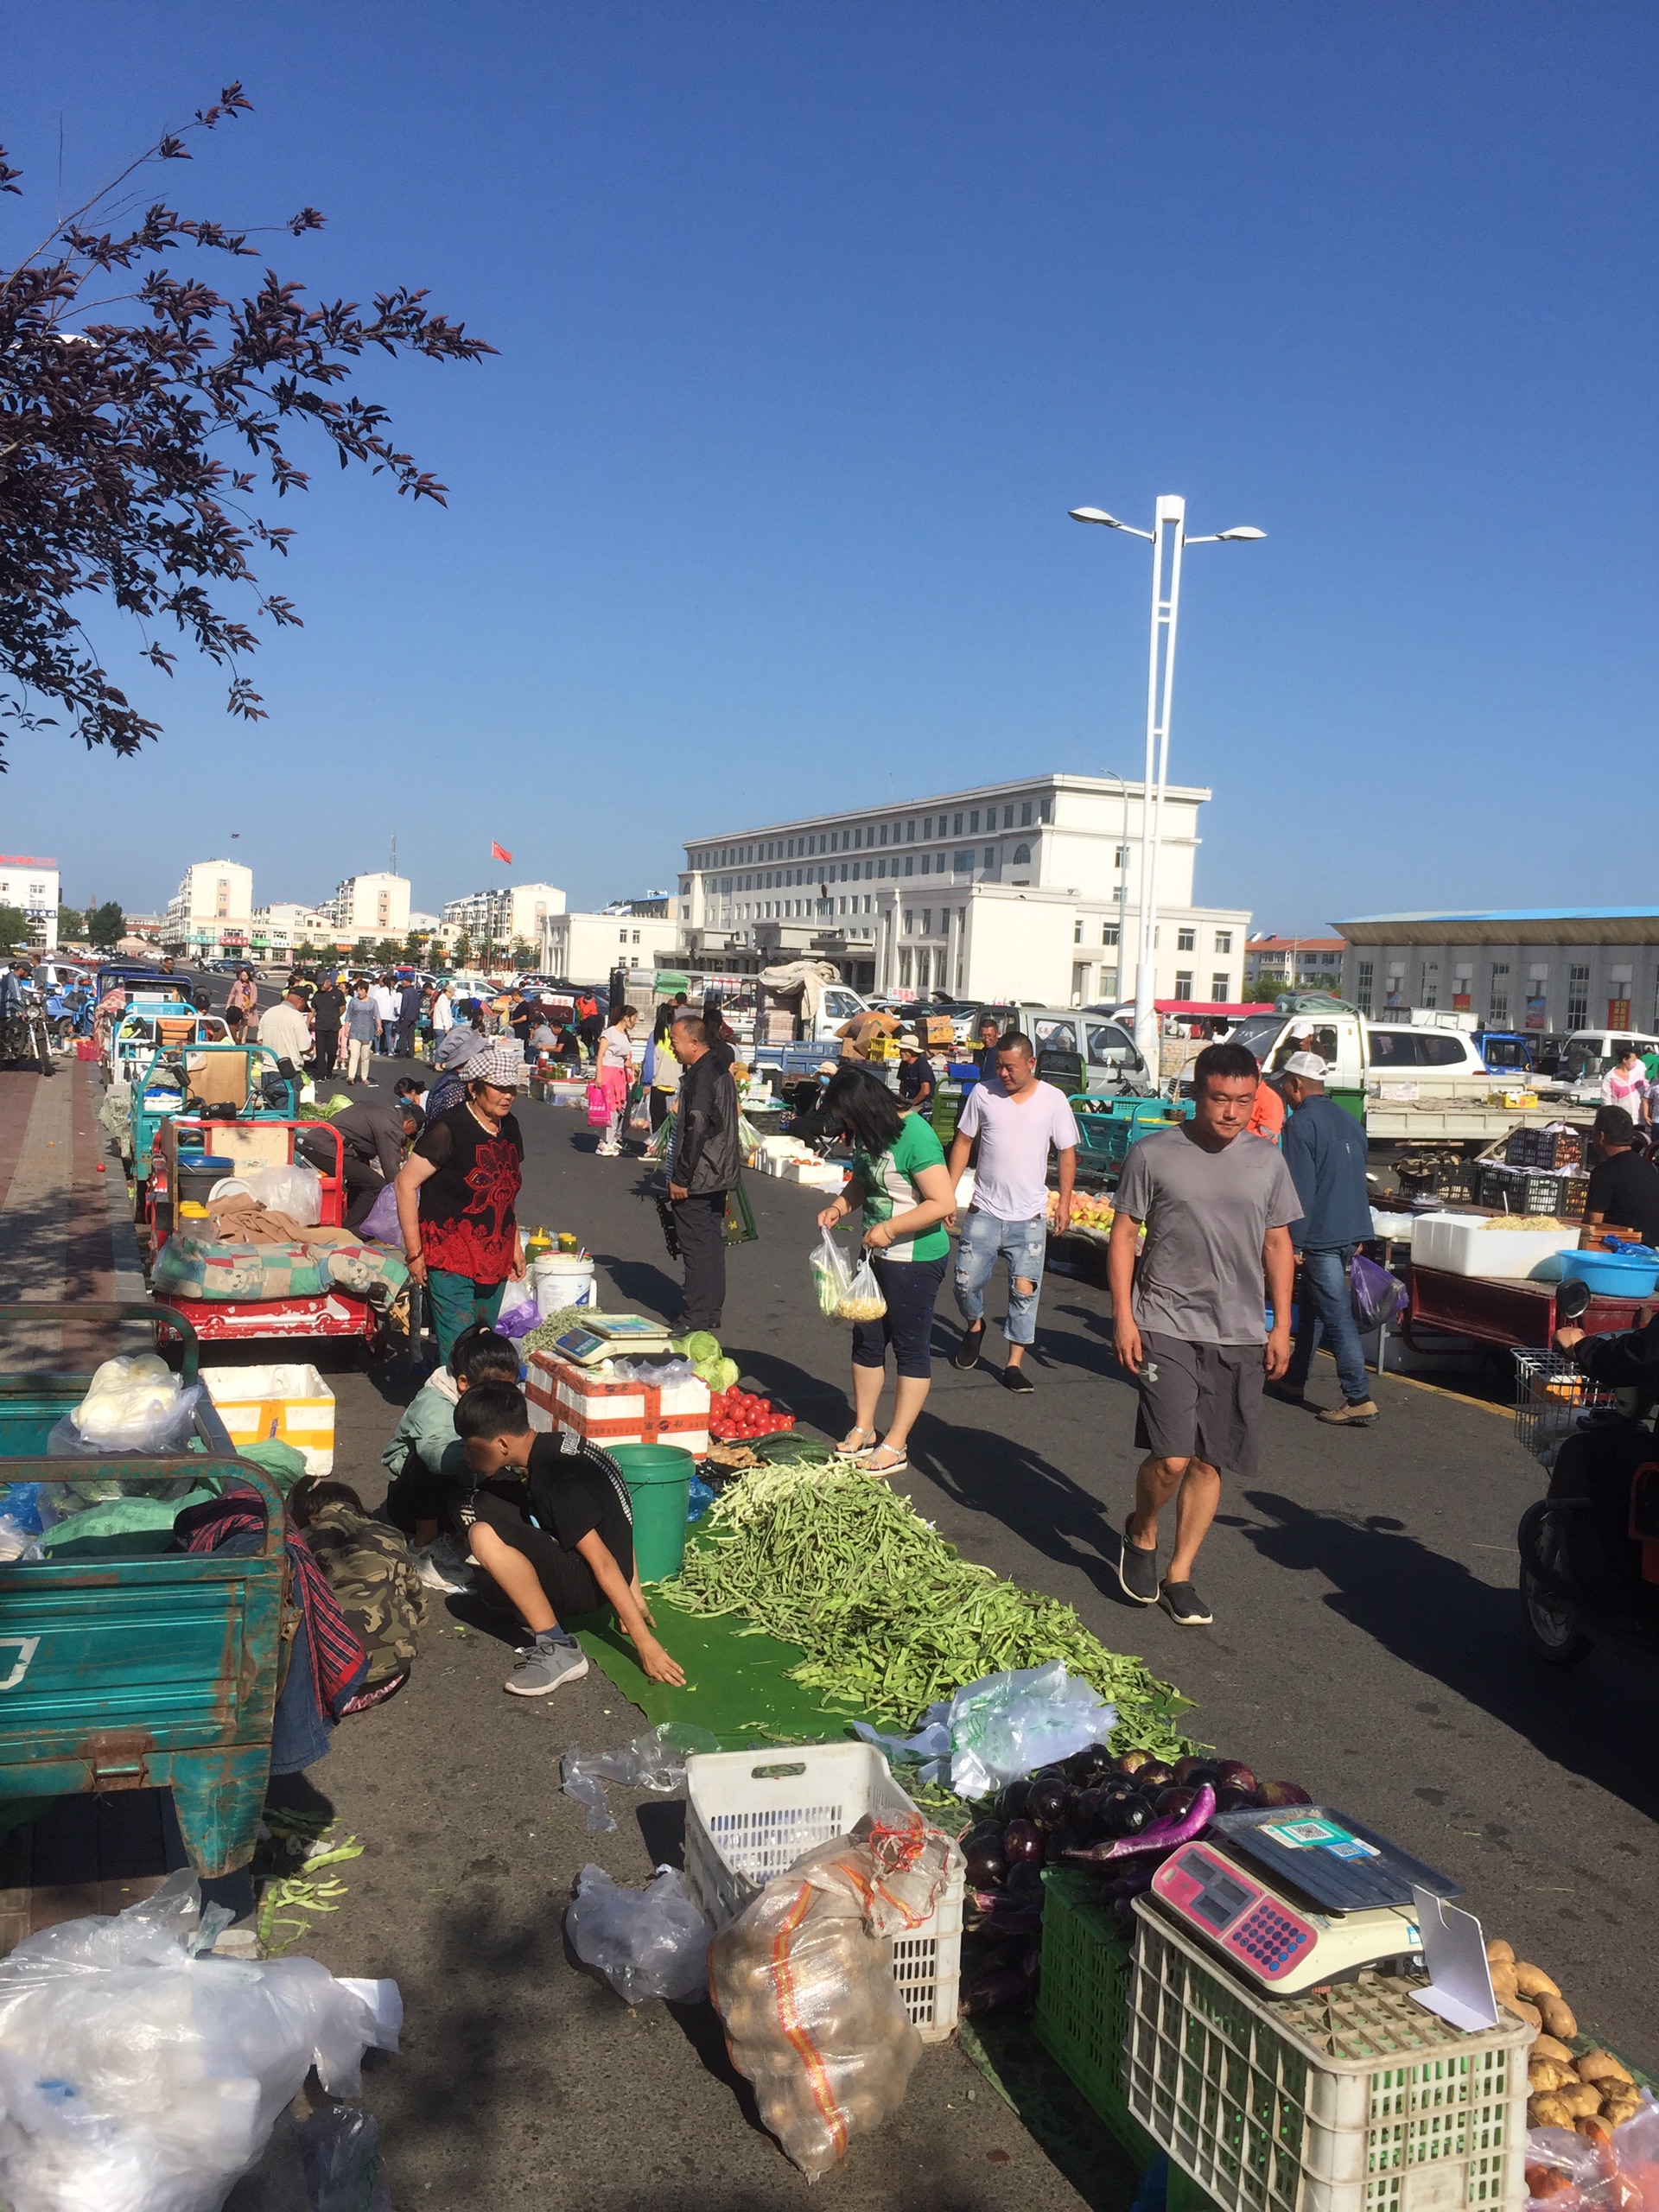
x=1118 y=1818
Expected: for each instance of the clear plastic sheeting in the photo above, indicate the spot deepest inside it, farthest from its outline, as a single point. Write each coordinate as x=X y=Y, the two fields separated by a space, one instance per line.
x=1001 y=1726
x=139 y=2074
x=134 y=1404
x=295 y=1191
x=803 y=1982
x=340 y=2156
x=654 y=1761
x=649 y=1943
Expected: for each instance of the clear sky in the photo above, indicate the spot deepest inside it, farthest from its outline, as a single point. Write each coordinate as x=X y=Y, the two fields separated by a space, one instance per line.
x=814 y=320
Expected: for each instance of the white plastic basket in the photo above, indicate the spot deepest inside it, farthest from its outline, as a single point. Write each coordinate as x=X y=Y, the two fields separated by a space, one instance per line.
x=1551 y=1397
x=1352 y=2098
x=750 y=1816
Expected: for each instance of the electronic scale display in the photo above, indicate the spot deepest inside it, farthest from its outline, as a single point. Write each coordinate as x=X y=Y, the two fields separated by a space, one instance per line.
x=607 y=1334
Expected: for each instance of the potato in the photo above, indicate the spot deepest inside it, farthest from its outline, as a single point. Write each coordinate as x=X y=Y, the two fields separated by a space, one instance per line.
x=1503 y=1982
x=1499 y=1952
x=1526 y=2011
x=1617 y=2110
x=1602 y=2066
x=1550 y=2073
x=1582 y=2098
x=1551 y=2047
x=1556 y=2014
x=1547 y=2111
x=1532 y=1981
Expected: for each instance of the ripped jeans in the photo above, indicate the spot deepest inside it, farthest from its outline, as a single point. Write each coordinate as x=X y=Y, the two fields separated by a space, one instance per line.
x=1023 y=1245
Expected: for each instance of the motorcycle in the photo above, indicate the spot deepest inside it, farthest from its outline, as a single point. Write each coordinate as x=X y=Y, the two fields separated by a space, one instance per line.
x=70 y=1013
x=1589 y=1548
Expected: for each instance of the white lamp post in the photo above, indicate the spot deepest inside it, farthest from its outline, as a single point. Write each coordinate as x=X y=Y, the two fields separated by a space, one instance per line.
x=1168 y=540
x=1123 y=887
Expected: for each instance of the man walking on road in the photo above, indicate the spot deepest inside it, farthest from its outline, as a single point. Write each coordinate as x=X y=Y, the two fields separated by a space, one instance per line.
x=1016 y=1118
x=328 y=1011
x=702 y=1169
x=409 y=1014
x=1324 y=1151
x=1187 y=1321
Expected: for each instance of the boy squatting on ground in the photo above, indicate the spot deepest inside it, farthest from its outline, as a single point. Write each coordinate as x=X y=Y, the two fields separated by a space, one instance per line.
x=425 y=1460
x=549 y=1520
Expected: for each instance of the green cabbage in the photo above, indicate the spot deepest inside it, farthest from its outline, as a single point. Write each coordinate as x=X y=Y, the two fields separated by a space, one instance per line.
x=727 y=1371
x=700 y=1345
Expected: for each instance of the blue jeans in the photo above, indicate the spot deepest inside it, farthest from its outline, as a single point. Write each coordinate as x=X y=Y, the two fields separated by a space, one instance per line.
x=1024 y=1245
x=1326 y=1310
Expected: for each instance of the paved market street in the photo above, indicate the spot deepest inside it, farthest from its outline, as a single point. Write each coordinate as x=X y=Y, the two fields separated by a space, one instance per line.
x=1367 y=1645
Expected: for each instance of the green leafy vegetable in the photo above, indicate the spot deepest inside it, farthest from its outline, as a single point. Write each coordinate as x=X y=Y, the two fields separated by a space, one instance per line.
x=889 y=1615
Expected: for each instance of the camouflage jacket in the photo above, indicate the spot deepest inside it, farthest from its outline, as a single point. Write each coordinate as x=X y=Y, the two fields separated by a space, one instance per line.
x=375 y=1584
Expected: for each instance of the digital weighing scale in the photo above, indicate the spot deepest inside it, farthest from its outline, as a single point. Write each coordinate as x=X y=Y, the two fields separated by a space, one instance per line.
x=1294 y=1897
x=609 y=1335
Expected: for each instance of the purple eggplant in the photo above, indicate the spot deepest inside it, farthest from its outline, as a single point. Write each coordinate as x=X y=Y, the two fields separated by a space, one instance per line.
x=1231 y=1799
x=1015 y=1801
x=1087 y=1769
x=1155 y=1775
x=1051 y=1799
x=1237 y=1774
x=1175 y=1802
x=1191 y=1771
x=1126 y=1816
x=995 y=1990
x=1022 y=1844
x=1162 y=1835
x=1024 y=1882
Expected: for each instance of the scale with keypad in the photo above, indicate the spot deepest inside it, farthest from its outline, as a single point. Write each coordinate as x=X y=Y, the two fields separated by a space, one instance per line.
x=1297 y=1896
x=608 y=1335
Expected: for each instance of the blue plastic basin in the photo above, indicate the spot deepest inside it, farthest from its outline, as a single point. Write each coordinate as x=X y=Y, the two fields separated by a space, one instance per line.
x=1613 y=1274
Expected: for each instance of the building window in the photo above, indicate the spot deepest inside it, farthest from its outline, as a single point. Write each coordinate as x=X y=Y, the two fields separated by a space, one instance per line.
x=1022 y=856
x=1121 y=858
x=1109 y=932
x=1499 y=1003
x=1077 y=930
x=1431 y=983
x=910 y=831
x=1577 y=996
x=910 y=922
x=1218 y=989
x=1183 y=982
x=1364 y=982
x=910 y=863
x=1048 y=809
x=1224 y=940
x=1186 y=940
x=1025 y=814
x=973 y=819
x=957 y=832
x=927 y=921
x=904 y=968
x=884 y=833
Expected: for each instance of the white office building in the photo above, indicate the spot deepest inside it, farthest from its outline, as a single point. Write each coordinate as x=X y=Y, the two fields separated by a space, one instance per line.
x=511 y=916
x=586 y=948
x=370 y=907
x=1549 y=968
x=1029 y=891
x=209 y=915
x=30 y=883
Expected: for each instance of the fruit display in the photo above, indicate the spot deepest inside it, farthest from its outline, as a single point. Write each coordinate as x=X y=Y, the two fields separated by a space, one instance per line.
x=736 y=1415
x=1592 y=2091
x=1091 y=1211
x=1118 y=1818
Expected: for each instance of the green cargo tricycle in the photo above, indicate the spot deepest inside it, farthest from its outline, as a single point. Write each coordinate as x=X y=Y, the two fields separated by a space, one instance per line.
x=134 y=1672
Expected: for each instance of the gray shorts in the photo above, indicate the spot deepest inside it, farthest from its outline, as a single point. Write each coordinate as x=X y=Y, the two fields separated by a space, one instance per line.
x=1200 y=1401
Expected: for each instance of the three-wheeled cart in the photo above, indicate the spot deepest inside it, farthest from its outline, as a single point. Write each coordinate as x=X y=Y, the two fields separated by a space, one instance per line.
x=137 y=1672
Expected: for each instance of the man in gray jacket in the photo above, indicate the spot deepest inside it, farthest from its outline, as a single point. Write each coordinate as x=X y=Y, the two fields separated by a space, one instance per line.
x=1324 y=1151
x=702 y=1167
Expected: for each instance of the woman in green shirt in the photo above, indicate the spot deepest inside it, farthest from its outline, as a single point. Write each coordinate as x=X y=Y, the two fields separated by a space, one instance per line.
x=898 y=1177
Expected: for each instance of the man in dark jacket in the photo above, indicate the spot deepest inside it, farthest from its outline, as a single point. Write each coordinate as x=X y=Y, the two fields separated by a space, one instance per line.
x=409 y=1014
x=328 y=1011
x=702 y=1169
x=1324 y=1151
x=373 y=1138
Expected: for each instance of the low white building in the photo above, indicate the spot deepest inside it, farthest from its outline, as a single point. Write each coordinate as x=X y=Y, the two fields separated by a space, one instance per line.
x=370 y=907
x=1027 y=890
x=209 y=915
x=1549 y=968
x=585 y=948
x=279 y=930
x=511 y=916
x=29 y=882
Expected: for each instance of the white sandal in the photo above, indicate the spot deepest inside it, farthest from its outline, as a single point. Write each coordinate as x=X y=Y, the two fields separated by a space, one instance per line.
x=900 y=1466
x=847 y=1450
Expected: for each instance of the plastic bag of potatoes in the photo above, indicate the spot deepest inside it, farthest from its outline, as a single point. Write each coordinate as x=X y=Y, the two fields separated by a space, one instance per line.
x=1590 y=2091
x=803 y=1982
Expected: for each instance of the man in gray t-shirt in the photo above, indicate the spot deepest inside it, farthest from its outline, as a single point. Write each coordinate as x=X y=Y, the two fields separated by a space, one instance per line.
x=1187 y=1319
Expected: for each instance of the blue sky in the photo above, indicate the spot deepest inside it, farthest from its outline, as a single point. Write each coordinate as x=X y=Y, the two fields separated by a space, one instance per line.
x=813 y=322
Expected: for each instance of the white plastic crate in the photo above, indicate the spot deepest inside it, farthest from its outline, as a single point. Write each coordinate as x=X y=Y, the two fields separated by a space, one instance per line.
x=750 y=1816
x=1355 y=2098
x=293 y=1404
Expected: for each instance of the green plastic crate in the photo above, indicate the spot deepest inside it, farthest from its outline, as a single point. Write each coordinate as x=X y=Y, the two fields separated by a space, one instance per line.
x=1083 y=2003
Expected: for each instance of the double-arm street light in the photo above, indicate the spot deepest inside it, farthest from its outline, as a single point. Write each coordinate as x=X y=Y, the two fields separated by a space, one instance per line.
x=1168 y=540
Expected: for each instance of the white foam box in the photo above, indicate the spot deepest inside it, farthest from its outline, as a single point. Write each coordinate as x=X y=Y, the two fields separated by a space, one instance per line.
x=1462 y=1244
x=561 y=1394
x=293 y=1404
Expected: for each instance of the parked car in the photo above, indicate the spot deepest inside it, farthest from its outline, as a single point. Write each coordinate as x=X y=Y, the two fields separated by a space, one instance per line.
x=1589 y=1054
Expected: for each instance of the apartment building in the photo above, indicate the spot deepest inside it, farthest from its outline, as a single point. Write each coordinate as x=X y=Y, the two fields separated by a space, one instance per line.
x=370 y=907
x=209 y=915
x=30 y=883
x=511 y=916
x=1274 y=963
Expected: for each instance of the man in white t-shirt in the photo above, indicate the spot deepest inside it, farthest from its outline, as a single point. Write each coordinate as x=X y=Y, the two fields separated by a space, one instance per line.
x=1016 y=1119
x=286 y=1028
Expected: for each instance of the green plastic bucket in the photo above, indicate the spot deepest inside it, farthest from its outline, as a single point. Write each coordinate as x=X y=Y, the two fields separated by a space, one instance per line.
x=658 y=1477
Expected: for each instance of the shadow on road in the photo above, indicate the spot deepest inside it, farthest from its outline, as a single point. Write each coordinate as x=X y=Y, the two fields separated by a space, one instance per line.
x=1434 y=1614
x=1026 y=1492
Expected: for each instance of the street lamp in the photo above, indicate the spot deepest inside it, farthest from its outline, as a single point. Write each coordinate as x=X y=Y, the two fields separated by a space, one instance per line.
x=1168 y=540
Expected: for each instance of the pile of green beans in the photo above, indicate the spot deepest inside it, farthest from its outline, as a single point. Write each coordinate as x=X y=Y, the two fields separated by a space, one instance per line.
x=891 y=1617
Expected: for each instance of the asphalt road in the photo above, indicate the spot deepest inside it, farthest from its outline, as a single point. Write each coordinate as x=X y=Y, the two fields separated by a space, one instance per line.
x=1367 y=1644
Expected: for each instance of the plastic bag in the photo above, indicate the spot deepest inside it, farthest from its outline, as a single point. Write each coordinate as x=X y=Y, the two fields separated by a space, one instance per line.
x=832 y=1276
x=599 y=1106
x=340 y=2156
x=649 y=1943
x=1001 y=1726
x=654 y=1761
x=137 y=2076
x=1375 y=1295
x=130 y=1405
x=379 y=1225
x=803 y=1982
x=295 y=1191
x=863 y=1300
x=518 y=1312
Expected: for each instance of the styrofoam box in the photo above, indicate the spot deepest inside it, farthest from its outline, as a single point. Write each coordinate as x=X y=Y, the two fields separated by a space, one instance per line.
x=604 y=1411
x=1462 y=1244
x=750 y=1816
x=293 y=1404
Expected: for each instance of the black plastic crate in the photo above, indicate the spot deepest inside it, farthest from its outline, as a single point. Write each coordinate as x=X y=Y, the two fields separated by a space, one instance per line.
x=1519 y=1190
x=1546 y=1148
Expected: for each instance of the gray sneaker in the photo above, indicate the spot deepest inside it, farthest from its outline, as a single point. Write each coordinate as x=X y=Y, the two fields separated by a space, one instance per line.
x=542 y=1667
x=1137 y=1570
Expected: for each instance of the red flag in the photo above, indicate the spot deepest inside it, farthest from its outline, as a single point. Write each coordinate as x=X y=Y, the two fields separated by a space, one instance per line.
x=499 y=853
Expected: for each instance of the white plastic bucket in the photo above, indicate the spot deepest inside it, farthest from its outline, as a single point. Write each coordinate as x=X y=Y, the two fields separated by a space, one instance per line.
x=561 y=1279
